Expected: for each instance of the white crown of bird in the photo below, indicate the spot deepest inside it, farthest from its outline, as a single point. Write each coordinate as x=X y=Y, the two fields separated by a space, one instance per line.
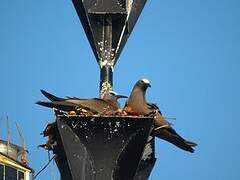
x=146 y=81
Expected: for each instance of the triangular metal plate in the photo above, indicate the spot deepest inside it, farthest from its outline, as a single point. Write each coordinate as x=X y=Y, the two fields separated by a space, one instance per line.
x=108 y=24
x=105 y=148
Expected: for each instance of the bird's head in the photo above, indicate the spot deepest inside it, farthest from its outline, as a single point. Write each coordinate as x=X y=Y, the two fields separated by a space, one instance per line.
x=143 y=84
x=111 y=95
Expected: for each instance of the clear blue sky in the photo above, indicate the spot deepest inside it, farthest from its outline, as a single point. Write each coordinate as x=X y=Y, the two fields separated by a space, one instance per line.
x=189 y=50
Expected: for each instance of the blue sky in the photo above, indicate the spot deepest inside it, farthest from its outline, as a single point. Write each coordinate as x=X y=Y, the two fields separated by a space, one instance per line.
x=189 y=50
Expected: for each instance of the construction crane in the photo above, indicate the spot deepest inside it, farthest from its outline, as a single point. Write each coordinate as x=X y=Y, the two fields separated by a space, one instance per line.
x=23 y=143
x=8 y=135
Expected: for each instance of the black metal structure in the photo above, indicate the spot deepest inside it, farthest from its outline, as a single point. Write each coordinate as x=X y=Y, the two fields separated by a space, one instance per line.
x=108 y=24
x=109 y=147
x=104 y=148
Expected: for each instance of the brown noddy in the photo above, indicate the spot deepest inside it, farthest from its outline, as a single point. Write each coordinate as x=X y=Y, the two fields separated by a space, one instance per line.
x=108 y=104
x=137 y=105
x=112 y=98
x=50 y=133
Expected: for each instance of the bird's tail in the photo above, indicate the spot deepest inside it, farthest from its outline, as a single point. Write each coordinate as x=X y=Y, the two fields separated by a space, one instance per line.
x=50 y=96
x=170 y=135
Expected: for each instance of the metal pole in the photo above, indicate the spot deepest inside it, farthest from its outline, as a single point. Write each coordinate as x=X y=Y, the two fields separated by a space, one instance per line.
x=106 y=78
x=106 y=62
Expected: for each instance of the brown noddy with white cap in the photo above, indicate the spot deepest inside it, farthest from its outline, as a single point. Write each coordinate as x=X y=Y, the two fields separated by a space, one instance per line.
x=137 y=105
x=108 y=104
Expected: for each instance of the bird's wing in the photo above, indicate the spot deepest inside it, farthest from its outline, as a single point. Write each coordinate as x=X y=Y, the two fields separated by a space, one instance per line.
x=170 y=135
x=74 y=97
x=153 y=106
x=60 y=105
x=94 y=104
x=103 y=105
x=50 y=96
x=98 y=99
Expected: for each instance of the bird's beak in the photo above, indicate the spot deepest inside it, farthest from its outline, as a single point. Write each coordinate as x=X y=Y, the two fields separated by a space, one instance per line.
x=121 y=96
x=149 y=85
